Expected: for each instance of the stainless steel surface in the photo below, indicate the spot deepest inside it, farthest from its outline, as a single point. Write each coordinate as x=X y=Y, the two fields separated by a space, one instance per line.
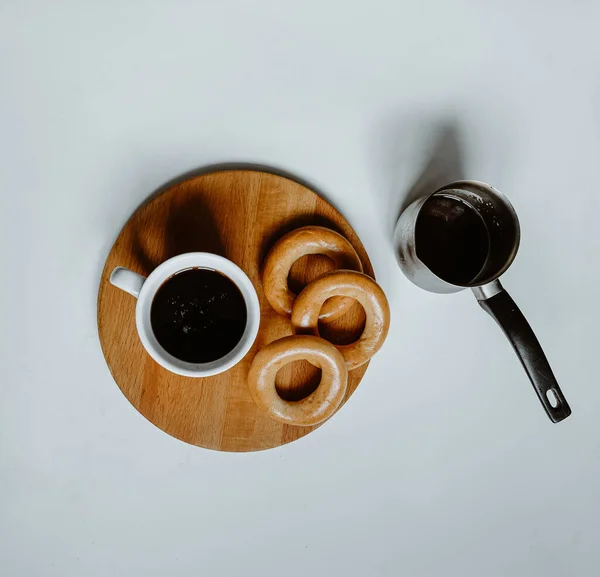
x=487 y=291
x=406 y=253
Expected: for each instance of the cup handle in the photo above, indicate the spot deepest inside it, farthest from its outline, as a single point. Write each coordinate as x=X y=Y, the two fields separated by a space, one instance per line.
x=127 y=280
x=494 y=300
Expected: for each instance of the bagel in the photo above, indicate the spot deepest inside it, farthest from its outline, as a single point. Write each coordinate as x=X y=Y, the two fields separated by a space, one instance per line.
x=293 y=246
x=321 y=403
x=348 y=283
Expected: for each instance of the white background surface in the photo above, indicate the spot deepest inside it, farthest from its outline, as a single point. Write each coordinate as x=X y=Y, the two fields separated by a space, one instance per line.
x=443 y=462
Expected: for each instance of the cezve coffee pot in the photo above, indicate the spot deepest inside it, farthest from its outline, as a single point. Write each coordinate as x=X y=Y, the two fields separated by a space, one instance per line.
x=465 y=235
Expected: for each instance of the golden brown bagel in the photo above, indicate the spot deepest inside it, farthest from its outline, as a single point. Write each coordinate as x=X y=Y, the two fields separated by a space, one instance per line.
x=320 y=404
x=359 y=286
x=296 y=244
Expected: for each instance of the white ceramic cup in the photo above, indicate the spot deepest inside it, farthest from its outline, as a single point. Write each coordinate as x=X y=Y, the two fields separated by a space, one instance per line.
x=144 y=290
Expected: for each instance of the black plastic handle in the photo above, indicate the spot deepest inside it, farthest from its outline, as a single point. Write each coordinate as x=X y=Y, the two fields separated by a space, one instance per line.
x=506 y=313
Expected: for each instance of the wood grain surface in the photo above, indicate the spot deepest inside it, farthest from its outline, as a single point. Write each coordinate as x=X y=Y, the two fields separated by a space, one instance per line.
x=238 y=214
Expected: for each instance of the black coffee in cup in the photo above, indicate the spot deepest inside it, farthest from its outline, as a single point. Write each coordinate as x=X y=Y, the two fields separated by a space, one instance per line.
x=198 y=315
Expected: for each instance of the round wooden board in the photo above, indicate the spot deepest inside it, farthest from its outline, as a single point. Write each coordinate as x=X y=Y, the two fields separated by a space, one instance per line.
x=238 y=214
